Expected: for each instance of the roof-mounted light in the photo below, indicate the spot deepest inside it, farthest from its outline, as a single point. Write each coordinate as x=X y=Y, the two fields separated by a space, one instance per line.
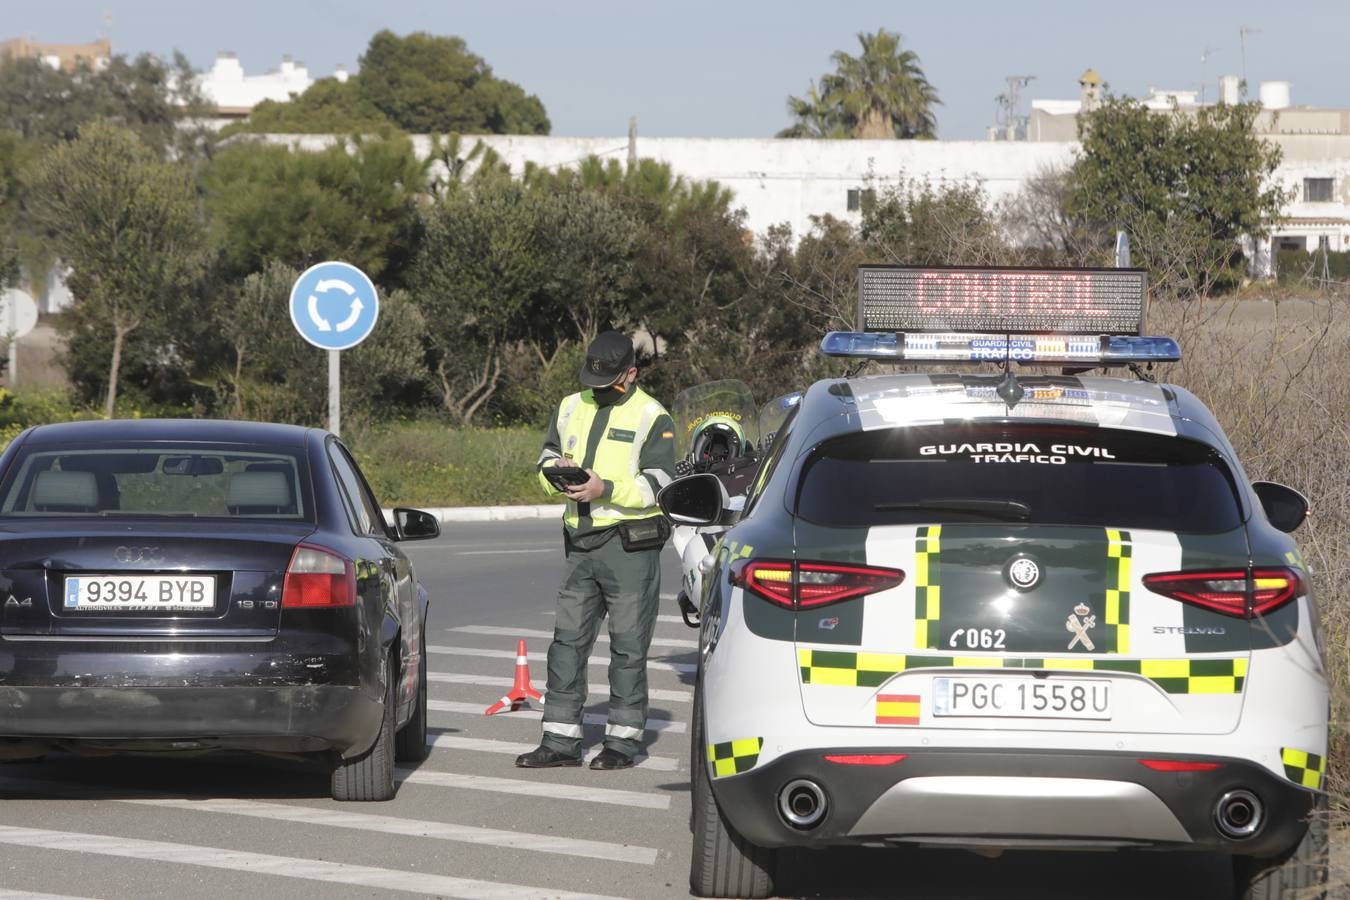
x=1093 y=351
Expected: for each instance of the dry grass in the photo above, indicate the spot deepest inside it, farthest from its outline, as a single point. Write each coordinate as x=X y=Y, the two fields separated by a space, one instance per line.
x=1277 y=376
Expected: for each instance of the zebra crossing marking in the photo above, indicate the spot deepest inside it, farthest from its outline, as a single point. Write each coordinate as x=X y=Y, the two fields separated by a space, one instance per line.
x=512 y=631
x=595 y=687
x=653 y=665
x=439 y=740
x=476 y=709
x=546 y=789
x=279 y=866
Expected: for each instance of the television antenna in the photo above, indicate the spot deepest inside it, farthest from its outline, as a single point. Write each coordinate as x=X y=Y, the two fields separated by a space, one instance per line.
x=1008 y=119
x=1243 y=31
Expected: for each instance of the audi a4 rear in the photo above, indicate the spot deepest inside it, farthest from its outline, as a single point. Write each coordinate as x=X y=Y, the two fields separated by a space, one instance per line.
x=1006 y=611
x=196 y=585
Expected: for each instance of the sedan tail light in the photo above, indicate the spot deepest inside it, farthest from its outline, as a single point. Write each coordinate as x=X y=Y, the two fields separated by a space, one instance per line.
x=318 y=577
x=806 y=585
x=1230 y=591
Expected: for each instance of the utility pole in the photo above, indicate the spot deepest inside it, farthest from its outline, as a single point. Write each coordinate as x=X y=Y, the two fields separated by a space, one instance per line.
x=632 y=143
x=1243 y=31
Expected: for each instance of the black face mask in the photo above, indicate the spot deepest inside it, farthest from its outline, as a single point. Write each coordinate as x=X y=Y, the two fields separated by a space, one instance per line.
x=607 y=396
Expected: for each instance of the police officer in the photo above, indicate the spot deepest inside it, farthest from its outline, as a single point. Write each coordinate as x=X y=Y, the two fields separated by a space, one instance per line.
x=612 y=534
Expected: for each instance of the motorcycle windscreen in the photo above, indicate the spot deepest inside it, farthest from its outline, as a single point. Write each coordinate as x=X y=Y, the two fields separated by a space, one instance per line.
x=773 y=415
x=728 y=403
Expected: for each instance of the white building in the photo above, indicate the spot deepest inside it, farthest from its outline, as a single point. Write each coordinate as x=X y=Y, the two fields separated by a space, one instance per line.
x=234 y=94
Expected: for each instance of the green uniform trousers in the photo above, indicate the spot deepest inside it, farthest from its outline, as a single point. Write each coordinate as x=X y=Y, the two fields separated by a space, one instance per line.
x=626 y=587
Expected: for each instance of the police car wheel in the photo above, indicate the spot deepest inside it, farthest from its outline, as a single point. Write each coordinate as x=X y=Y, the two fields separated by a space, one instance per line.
x=411 y=743
x=1301 y=874
x=370 y=776
x=723 y=864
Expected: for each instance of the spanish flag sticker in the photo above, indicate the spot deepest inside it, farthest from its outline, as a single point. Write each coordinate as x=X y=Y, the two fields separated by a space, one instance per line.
x=897 y=709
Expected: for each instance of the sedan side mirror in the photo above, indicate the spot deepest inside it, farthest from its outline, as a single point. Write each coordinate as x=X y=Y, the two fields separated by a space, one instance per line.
x=694 y=500
x=415 y=524
x=1285 y=507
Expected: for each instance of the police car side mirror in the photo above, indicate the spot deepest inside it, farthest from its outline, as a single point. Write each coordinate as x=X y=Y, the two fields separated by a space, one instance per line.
x=415 y=524
x=1285 y=507
x=694 y=500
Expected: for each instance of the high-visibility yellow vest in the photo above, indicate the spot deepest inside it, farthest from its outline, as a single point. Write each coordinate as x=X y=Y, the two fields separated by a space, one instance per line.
x=615 y=456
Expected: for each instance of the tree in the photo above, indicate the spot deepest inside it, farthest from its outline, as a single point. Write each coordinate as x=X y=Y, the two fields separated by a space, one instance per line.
x=354 y=200
x=1185 y=187
x=155 y=100
x=419 y=83
x=130 y=227
x=881 y=93
x=328 y=106
x=478 y=271
x=425 y=83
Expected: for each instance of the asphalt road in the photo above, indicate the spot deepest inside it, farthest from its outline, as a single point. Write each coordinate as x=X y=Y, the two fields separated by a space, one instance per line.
x=466 y=822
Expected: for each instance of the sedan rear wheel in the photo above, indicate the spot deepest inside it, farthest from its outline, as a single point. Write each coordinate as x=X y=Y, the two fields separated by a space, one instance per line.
x=1301 y=874
x=411 y=745
x=723 y=863
x=370 y=776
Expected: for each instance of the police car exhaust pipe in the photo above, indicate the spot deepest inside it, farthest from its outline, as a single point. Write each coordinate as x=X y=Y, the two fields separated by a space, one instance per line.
x=1239 y=814
x=802 y=803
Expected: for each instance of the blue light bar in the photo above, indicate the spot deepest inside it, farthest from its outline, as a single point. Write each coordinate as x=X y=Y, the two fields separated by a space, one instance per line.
x=1038 y=349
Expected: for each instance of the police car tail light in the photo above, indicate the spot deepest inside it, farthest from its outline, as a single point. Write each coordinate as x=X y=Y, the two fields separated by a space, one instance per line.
x=1230 y=591
x=813 y=584
x=318 y=577
x=865 y=759
x=1179 y=765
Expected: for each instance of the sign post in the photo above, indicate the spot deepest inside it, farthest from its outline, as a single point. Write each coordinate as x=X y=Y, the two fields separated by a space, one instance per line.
x=334 y=306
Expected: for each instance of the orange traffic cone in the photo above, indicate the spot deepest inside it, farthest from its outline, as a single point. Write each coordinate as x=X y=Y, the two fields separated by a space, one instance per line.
x=520 y=690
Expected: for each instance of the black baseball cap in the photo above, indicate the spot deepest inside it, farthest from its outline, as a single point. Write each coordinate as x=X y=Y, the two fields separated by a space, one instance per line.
x=608 y=357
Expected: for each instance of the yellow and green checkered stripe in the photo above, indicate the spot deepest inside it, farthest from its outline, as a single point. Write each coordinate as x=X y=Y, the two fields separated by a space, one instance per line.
x=1304 y=768
x=734 y=550
x=927 y=590
x=1175 y=676
x=734 y=757
x=1119 y=549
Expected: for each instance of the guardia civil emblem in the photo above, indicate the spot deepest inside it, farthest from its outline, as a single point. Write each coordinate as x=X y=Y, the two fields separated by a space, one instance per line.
x=1079 y=621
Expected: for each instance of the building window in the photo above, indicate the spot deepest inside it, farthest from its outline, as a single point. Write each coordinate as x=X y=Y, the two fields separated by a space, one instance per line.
x=1324 y=243
x=1317 y=190
x=861 y=198
x=1286 y=242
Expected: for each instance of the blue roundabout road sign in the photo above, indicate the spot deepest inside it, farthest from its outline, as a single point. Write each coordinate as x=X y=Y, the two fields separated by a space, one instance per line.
x=334 y=305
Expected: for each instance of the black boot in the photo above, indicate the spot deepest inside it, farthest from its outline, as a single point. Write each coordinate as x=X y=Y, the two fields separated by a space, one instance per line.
x=609 y=758
x=542 y=757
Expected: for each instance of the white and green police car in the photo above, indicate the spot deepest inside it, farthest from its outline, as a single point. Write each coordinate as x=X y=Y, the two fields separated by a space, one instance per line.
x=1006 y=610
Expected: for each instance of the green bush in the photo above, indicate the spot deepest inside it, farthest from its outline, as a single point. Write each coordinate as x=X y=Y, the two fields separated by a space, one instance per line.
x=428 y=463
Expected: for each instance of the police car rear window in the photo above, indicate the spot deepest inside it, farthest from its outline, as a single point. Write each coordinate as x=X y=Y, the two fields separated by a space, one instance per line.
x=1062 y=475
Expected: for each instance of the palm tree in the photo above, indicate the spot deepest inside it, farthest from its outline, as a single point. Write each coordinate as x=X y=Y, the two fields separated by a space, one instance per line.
x=880 y=93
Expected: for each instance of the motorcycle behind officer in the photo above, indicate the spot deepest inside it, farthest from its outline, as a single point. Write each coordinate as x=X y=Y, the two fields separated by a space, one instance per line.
x=624 y=443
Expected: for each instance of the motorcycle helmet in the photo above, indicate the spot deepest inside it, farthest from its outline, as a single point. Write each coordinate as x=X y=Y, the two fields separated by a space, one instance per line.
x=717 y=442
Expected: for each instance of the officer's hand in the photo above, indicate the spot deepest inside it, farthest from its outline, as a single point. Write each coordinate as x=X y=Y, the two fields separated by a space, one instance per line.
x=585 y=493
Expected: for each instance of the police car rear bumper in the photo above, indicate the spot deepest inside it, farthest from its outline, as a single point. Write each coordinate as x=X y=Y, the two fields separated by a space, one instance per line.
x=1002 y=798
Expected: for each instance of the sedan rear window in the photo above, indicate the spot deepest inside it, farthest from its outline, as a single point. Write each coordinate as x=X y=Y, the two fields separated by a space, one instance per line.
x=1061 y=475
x=186 y=481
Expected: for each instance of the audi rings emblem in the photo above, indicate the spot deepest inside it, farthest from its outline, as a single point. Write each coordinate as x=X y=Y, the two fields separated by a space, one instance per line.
x=129 y=555
x=1023 y=573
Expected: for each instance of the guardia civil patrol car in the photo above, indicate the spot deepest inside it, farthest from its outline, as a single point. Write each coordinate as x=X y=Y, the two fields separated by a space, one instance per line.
x=995 y=609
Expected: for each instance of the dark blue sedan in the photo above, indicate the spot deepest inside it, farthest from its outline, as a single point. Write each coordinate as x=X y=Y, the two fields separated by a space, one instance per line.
x=197 y=585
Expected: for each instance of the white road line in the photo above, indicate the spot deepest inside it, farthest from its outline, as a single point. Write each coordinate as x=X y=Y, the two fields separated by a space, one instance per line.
x=546 y=789
x=653 y=665
x=671 y=620
x=455 y=742
x=345 y=818
x=7 y=894
x=595 y=687
x=501 y=552
x=474 y=709
x=279 y=866
x=508 y=631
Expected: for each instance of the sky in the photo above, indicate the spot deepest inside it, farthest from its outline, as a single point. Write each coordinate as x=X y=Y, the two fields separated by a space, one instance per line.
x=725 y=69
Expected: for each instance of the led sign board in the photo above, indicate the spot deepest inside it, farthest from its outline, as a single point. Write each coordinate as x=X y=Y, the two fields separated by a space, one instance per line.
x=1001 y=300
